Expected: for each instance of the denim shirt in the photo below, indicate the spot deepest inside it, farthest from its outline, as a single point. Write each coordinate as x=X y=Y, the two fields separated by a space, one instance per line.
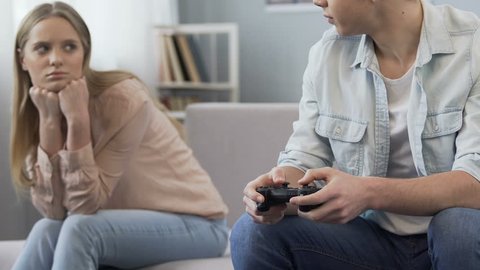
x=343 y=117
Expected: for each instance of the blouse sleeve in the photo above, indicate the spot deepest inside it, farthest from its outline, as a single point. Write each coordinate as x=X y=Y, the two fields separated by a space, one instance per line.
x=47 y=191
x=90 y=180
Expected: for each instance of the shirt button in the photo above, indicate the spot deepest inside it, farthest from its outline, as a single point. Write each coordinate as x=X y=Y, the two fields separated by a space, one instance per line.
x=338 y=131
x=436 y=128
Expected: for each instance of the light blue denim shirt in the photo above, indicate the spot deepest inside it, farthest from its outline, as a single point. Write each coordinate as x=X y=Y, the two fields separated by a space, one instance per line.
x=344 y=116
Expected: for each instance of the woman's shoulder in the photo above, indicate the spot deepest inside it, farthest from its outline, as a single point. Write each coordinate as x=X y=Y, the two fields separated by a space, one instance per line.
x=121 y=100
x=127 y=89
x=124 y=94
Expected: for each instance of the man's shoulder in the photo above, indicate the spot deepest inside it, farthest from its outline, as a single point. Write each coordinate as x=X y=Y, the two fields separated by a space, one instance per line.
x=456 y=20
x=332 y=38
x=334 y=44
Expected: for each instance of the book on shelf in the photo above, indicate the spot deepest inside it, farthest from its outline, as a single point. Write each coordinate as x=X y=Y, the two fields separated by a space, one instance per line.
x=197 y=58
x=165 y=67
x=178 y=103
x=181 y=58
x=187 y=58
x=174 y=59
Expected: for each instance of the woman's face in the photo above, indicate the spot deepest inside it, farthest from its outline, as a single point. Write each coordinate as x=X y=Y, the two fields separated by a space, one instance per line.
x=53 y=54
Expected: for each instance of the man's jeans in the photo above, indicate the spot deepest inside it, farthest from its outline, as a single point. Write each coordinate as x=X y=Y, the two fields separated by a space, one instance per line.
x=452 y=242
x=123 y=239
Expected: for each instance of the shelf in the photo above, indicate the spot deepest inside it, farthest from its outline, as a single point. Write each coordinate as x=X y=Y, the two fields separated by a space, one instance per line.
x=197 y=63
x=179 y=115
x=204 y=28
x=196 y=86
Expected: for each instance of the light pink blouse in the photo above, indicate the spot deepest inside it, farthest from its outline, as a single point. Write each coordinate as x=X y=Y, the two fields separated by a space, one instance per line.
x=136 y=160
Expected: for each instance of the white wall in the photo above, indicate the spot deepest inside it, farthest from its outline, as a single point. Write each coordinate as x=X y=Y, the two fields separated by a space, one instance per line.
x=122 y=34
x=16 y=215
x=273 y=46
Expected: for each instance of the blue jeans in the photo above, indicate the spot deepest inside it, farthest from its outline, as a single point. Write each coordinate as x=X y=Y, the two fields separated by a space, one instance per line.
x=452 y=242
x=121 y=238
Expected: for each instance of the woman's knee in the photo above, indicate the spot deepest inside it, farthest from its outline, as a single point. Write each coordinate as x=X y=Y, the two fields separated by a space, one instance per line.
x=46 y=229
x=79 y=226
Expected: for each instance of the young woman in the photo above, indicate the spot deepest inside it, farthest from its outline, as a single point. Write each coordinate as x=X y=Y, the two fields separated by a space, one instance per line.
x=389 y=119
x=105 y=167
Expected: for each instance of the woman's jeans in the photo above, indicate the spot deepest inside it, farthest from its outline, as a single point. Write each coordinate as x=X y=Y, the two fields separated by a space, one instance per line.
x=452 y=242
x=121 y=238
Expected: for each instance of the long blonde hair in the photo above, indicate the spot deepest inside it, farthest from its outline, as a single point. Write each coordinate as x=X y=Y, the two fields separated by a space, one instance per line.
x=24 y=137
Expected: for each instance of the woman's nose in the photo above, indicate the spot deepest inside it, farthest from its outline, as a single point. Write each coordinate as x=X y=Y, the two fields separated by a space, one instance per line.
x=56 y=58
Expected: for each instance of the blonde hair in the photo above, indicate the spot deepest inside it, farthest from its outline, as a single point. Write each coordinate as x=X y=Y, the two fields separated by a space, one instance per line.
x=24 y=137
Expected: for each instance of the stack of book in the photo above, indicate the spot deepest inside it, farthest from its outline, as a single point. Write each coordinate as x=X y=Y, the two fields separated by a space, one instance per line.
x=180 y=59
x=180 y=65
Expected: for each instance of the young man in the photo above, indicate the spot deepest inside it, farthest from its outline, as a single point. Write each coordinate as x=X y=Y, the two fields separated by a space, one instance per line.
x=389 y=119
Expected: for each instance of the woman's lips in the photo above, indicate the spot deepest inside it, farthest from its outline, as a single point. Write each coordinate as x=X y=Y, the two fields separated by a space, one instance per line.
x=56 y=75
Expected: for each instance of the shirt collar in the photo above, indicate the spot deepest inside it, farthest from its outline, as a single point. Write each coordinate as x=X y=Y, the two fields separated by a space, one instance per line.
x=434 y=39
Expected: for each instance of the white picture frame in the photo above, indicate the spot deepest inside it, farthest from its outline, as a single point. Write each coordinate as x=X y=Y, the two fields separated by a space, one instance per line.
x=291 y=6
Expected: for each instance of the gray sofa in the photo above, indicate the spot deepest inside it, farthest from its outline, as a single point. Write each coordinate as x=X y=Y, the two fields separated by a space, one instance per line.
x=234 y=142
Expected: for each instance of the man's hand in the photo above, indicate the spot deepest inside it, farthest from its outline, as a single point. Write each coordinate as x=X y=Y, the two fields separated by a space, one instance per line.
x=343 y=198
x=276 y=177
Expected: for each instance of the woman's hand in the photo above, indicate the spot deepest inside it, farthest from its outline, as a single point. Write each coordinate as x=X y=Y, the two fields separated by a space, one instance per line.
x=74 y=100
x=343 y=198
x=74 y=105
x=251 y=197
x=46 y=102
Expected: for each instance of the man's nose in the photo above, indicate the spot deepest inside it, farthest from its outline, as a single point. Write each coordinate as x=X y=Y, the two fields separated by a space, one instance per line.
x=321 y=3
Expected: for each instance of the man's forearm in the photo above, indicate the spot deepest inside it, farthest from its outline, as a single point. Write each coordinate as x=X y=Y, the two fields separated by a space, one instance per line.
x=424 y=196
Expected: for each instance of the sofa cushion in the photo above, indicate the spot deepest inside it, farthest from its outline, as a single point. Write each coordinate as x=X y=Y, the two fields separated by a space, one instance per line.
x=9 y=251
x=236 y=142
x=222 y=263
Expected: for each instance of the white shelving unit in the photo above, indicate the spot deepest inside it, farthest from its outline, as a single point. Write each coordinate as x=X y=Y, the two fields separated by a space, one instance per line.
x=211 y=32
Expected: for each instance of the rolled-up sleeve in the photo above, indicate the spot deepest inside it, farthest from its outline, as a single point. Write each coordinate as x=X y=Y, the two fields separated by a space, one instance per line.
x=467 y=157
x=305 y=149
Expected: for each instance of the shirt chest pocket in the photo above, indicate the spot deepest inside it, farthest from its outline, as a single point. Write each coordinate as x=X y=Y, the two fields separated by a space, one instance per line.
x=438 y=140
x=346 y=139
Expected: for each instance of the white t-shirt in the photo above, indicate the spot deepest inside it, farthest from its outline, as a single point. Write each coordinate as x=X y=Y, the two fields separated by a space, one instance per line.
x=400 y=163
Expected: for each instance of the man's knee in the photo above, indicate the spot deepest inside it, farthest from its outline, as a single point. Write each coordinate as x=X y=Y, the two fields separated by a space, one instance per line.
x=455 y=224
x=247 y=235
x=454 y=236
x=242 y=232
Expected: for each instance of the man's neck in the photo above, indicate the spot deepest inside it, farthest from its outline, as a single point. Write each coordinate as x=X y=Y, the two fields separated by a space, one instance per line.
x=396 y=41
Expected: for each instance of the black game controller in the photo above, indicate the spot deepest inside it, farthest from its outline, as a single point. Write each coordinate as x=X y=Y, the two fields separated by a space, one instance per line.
x=282 y=194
